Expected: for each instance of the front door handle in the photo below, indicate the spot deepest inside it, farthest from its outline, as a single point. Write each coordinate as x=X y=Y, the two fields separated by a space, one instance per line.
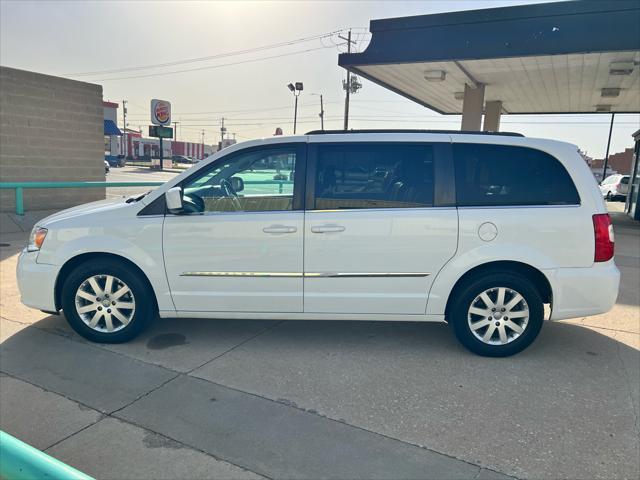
x=279 y=229
x=327 y=229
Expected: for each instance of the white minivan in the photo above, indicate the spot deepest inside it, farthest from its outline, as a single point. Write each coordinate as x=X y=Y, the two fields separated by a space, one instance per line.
x=478 y=230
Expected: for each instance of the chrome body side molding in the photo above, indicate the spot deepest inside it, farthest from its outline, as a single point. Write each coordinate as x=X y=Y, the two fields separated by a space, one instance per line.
x=306 y=275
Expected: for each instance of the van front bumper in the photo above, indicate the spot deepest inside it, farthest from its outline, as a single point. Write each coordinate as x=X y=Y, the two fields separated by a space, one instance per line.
x=36 y=282
x=581 y=292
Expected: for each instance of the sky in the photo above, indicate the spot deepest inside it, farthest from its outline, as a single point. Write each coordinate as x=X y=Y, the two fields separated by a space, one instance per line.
x=289 y=41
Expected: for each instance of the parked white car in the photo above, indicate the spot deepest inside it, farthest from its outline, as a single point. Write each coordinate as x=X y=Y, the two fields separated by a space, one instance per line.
x=615 y=186
x=478 y=230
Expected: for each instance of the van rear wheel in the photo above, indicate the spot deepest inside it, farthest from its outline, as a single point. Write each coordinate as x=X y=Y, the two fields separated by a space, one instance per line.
x=107 y=302
x=497 y=314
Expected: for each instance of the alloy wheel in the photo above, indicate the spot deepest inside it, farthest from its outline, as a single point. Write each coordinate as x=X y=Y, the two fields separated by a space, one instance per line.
x=498 y=316
x=105 y=303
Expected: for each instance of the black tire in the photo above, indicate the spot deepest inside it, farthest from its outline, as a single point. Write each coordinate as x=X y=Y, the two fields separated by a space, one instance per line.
x=609 y=197
x=145 y=306
x=464 y=297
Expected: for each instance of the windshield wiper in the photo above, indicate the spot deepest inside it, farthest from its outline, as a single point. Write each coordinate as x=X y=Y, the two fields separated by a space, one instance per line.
x=137 y=197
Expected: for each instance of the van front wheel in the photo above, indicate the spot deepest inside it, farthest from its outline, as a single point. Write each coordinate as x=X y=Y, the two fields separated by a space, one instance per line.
x=107 y=302
x=497 y=315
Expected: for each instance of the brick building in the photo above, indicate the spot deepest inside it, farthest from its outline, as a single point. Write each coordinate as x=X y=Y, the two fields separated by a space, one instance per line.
x=51 y=129
x=618 y=162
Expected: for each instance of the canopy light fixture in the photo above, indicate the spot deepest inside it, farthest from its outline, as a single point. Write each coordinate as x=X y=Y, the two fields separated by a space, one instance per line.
x=458 y=95
x=603 y=108
x=435 y=75
x=621 y=68
x=609 y=92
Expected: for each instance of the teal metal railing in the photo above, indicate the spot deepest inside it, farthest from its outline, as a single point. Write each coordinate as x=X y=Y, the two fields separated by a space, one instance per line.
x=280 y=183
x=19 y=460
x=19 y=187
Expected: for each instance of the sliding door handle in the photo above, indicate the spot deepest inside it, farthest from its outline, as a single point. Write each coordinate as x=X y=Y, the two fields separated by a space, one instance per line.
x=327 y=229
x=279 y=229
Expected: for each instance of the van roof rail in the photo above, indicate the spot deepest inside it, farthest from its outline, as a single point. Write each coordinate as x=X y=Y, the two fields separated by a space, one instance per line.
x=458 y=132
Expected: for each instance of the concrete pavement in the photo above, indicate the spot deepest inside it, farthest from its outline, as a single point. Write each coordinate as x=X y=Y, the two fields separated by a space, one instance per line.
x=251 y=399
x=135 y=174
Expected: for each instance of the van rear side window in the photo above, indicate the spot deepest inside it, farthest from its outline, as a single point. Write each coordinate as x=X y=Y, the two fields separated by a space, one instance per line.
x=373 y=175
x=503 y=175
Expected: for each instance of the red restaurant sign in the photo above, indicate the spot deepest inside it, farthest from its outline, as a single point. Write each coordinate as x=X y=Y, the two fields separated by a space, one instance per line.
x=160 y=112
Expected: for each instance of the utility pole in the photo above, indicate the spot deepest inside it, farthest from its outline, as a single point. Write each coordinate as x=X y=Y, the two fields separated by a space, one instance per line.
x=348 y=84
x=124 y=128
x=321 y=114
x=175 y=131
x=223 y=130
x=606 y=157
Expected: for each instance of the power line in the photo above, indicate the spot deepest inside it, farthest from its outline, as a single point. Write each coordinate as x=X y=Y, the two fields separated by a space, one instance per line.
x=212 y=66
x=415 y=121
x=207 y=58
x=220 y=112
x=248 y=110
x=286 y=107
x=406 y=118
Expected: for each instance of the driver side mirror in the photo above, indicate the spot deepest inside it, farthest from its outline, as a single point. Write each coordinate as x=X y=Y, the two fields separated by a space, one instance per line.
x=237 y=184
x=173 y=198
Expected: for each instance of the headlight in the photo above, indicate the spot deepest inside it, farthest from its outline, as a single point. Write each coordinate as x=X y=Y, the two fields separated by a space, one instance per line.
x=36 y=239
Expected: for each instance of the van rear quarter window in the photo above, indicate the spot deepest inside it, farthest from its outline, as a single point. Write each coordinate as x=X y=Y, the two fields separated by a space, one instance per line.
x=503 y=175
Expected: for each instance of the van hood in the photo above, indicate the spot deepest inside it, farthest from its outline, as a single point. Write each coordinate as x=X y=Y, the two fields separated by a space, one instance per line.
x=99 y=206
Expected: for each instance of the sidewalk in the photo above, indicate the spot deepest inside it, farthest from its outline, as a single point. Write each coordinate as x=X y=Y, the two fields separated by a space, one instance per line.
x=10 y=223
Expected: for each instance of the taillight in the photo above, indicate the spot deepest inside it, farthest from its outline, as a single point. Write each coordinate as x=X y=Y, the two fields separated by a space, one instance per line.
x=603 y=231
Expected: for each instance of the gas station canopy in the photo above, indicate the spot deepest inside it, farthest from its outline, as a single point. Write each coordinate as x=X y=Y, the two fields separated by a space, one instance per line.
x=566 y=57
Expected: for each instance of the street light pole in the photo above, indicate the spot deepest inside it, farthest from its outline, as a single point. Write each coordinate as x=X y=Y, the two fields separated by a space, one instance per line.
x=296 y=90
x=295 y=116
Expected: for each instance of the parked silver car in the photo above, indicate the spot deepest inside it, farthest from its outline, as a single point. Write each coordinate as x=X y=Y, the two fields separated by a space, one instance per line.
x=615 y=186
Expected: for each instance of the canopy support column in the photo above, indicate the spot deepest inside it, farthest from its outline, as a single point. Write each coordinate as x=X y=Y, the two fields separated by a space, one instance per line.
x=492 y=112
x=472 y=108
